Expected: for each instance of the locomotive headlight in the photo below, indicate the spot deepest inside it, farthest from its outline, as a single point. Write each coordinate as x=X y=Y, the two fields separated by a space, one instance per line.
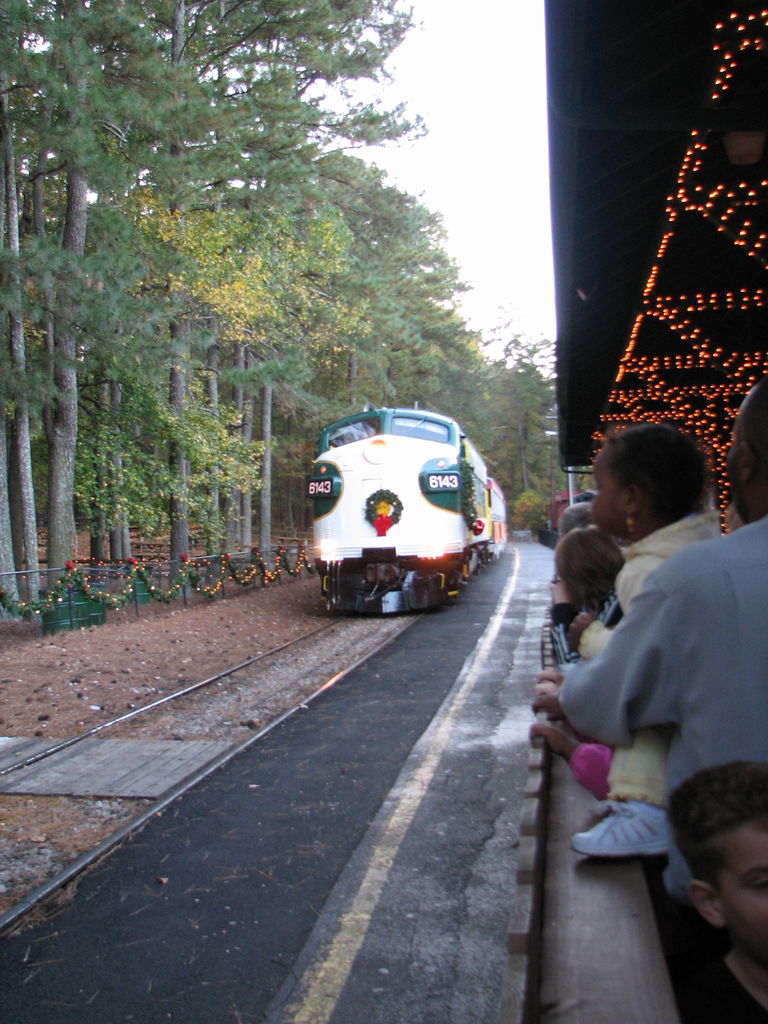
x=327 y=549
x=433 y=550
x=376 y=451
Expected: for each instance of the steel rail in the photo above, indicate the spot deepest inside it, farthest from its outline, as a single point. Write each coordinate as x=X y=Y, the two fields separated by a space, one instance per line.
x=15 y=913
x=64 y=744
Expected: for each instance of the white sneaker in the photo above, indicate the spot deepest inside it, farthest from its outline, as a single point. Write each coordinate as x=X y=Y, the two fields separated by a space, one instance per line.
x=631 y=829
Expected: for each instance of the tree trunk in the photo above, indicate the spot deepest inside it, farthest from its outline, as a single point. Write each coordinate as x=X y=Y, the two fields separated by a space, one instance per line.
x=246 y=496
x=219 y=533
x=62 y=438
x=7 y=582
x=231 y=501
x=119 y=535
x=97 y=520
x=520 y=414
x=116 y=544
x=7 y=564
x=178 y=506
x=265 y=524
x=524 y=469
x=38 y=221
x=21 y=434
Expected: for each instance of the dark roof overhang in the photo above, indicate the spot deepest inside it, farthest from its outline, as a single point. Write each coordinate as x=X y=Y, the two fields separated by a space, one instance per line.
x=628 y=84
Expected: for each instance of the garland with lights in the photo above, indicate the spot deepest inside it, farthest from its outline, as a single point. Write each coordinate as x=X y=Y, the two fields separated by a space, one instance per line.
x=468 y=507
x=75 y=580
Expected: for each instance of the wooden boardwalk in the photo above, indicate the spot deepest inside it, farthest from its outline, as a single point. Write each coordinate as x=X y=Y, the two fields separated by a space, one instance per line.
x=104 y=768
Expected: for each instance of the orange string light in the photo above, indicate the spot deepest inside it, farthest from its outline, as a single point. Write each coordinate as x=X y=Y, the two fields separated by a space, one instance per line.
x=653 y=388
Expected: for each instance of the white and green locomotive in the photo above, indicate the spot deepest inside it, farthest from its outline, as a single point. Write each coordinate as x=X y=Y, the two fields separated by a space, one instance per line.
x=404 y=510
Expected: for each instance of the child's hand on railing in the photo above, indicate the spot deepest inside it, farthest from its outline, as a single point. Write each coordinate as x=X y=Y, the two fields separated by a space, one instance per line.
x=549 y=704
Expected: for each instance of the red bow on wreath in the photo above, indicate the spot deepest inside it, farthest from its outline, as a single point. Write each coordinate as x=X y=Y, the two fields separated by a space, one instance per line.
x=381 y=524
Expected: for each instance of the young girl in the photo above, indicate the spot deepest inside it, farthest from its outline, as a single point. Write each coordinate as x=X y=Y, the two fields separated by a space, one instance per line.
x=650 y=480
x=587 y=562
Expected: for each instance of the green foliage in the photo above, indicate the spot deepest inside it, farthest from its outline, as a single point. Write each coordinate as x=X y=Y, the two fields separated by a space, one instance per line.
x=219 y=459
x=513 y=414
x=529 y=512
x=224 y=217
x=411 y=339
x=468 y=506
x=136 y=487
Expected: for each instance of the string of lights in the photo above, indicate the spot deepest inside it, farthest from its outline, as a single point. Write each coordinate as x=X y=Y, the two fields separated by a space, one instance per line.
x=205 y=576
x=692 y=356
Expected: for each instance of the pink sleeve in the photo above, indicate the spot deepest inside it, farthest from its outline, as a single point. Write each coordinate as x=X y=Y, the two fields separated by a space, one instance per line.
x=590 y=764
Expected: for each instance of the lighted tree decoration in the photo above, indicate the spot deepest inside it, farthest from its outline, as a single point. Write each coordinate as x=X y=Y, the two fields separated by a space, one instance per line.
x=693 y=354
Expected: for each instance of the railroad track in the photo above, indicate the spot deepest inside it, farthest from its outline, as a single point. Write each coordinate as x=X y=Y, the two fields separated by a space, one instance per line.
x=185 y=691
x=230 y=709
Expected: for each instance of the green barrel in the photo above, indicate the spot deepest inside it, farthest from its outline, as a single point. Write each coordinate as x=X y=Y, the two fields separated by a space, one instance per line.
x=74 y=611
x=140 y=593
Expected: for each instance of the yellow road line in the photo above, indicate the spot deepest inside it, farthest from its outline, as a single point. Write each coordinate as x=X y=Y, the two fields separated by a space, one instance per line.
x=325 y=979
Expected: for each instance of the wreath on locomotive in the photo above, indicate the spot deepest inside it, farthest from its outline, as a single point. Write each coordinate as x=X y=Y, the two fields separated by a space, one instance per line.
x=383 y=509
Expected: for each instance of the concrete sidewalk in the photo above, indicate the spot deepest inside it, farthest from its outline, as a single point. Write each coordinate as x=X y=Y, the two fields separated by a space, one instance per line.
x=415 y=930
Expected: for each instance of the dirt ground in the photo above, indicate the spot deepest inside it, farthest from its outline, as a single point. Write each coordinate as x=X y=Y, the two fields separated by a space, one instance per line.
x=65 y=682
x=60 y=684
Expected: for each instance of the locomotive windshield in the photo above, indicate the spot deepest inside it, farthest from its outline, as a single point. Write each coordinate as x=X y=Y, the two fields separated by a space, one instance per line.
x=405 y=423
x=427 y=430
x=356 y=431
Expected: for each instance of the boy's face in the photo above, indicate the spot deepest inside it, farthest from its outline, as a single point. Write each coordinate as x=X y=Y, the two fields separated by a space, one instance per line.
x=739 y=900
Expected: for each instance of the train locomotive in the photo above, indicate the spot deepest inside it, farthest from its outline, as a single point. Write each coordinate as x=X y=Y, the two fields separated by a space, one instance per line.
x=404 y=511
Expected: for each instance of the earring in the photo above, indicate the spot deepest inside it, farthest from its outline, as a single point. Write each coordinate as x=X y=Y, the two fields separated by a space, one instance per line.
x=630 y=523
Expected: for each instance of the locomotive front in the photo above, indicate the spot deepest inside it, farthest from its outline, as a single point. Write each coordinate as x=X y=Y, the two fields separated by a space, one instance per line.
x=395 y=507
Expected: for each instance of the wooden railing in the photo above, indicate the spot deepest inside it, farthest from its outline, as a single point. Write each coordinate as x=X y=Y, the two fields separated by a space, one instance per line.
x=583 y=945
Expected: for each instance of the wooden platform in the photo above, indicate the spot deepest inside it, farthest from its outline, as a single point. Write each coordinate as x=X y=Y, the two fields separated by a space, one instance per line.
x=104 y=768
x=602 y=959
x=583 y=942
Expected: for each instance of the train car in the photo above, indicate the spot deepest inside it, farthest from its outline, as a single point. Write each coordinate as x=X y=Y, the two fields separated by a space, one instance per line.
x=497 y=516
x=403 y=510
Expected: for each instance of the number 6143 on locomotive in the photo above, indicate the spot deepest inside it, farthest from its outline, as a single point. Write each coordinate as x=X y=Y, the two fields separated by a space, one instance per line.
x=404 y=510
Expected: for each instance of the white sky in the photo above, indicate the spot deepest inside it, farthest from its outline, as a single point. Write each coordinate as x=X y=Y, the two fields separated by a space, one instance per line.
x=475 y=73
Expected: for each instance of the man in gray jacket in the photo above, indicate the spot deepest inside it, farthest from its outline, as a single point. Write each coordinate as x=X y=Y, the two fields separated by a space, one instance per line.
x=693 y=649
